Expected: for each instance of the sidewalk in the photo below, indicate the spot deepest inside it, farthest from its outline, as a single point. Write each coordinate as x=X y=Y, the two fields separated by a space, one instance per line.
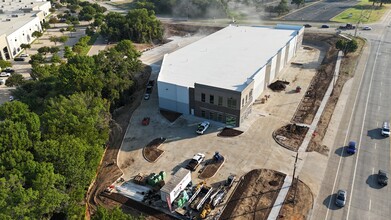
x=288 y=179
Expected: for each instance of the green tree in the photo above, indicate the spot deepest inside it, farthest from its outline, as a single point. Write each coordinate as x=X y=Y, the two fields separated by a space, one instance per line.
x=44 y=50
x=53 y=20
x=113 y=214
x=63 y=39
x=282 y=7
x=53 y=50
x=71 y=29
x=44 y=71
x=62 y=30
x=346 y=46
x=25 y=46
x=5 y=64
x=54 y=39
x=68 y=52
x=81 y=115
x=15 y=79
x=298 y=2
x=36 y=59
x=55 y=58
x=37 y=34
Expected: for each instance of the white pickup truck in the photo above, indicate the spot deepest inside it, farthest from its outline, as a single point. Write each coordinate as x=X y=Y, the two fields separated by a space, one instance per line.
x=195 y=161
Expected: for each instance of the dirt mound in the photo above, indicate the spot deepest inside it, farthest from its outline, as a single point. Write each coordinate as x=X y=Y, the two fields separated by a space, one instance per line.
x=278 y=85
x=303 y=202
x=255 y=195
x=211 y=168
x=290 y=136
x=151 y=152
x=229 y=132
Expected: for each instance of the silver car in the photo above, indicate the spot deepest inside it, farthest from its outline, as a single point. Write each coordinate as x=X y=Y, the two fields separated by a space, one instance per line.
x=340 y=201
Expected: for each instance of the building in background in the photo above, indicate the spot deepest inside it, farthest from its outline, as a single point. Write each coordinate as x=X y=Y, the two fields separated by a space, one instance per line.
x=18 y=20
x=220 y=76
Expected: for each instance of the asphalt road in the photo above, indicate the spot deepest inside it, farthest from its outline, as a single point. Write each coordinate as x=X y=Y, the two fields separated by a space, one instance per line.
x=363 y=118
x=322 y=11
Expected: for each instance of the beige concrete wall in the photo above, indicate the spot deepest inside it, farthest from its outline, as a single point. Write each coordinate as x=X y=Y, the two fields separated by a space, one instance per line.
x=3 y=44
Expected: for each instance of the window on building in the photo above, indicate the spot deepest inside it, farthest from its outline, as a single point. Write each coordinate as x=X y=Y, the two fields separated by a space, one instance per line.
x=211 y=99
x=231 y=103
x=246 y=98
x=220 y=117
x=242 y=102
x=251 y=94
x=212 y=115
x=220 y=101
x=203 y=114
x=202 y=97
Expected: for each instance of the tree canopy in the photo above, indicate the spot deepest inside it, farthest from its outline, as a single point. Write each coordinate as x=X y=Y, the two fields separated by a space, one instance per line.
x=347 y=46
x=139 y=25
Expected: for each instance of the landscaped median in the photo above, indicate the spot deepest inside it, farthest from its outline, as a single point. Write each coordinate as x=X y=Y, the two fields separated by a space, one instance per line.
x=363 y=12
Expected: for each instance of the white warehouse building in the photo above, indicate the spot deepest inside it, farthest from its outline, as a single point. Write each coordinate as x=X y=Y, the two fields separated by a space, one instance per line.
x=220 y=76
x=18 y=21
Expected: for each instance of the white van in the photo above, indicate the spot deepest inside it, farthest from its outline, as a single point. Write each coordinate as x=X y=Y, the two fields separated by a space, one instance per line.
x=385 y=130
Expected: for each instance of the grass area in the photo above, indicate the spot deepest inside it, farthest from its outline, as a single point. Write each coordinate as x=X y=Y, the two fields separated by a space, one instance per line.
x=124 y=5
x=90 y=43
x=363 y=10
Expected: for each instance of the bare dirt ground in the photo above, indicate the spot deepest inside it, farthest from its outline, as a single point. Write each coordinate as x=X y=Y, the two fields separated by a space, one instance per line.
x=290 y=136
x=302 y=205
x=254 y=196
x=151 y=152
x=211 y=168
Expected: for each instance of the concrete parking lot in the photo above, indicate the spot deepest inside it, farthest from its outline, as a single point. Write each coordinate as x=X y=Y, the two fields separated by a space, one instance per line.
x=254 y=149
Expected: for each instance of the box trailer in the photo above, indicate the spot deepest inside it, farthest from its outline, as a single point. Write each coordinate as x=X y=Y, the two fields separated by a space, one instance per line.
x=178 y=182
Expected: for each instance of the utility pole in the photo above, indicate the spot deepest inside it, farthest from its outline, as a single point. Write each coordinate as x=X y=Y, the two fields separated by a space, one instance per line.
x=294 y=173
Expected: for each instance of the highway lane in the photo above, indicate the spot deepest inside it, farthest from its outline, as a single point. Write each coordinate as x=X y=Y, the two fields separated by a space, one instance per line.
x=362 y=120
x=321 y=11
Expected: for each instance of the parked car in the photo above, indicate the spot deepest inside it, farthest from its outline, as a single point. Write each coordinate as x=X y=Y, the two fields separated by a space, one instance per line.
x=307 y=25
x=11 y=98
x=351 y=147
x=19 y=59
x=147 y=96
x=367 y=28
x=145 y=121
x=151 y=83
x=195 y=161
x=2 y=81
x=5 y=74
x=382 y=178
x=24 y=55
x=202 y=127
x=9 y=70
x=325 y=26
x=340 y=201
x=385 y=130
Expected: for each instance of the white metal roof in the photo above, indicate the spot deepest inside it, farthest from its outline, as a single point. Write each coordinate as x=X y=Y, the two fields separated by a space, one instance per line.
x=226 y=58
x=175 y=180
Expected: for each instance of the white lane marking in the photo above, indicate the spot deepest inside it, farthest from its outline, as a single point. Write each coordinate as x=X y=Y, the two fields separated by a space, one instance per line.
x=345 y=141
x=373 y=170
x=375 y=145
x=362 y=128
x=378 y=109
x=370 y=203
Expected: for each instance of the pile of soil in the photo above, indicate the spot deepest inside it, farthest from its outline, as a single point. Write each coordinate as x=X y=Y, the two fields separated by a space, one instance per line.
x=304 y=202
x=151 y=152
x=169 y=115
x=211 y=168
x=255 y=195
x=290 y=136
x=278 y=85
x=229 y=132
